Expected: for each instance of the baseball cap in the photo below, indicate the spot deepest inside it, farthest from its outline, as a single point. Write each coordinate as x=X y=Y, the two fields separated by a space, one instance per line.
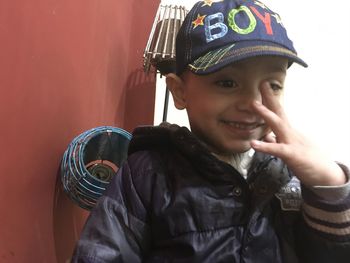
x=216 y=33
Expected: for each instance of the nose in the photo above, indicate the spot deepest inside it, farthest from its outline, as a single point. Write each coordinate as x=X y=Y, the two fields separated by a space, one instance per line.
x=247 y=95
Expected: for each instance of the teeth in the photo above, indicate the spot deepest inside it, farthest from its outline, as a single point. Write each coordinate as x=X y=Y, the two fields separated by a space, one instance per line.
x=243 y=126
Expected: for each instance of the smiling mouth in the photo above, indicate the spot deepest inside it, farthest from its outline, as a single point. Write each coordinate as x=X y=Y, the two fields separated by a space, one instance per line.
x=243 y=126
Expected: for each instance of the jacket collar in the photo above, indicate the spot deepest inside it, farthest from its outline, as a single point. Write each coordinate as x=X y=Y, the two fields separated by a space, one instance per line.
x=169 y=137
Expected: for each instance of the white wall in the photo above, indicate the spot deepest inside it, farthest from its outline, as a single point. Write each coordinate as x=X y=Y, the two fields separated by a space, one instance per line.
x=317 y=99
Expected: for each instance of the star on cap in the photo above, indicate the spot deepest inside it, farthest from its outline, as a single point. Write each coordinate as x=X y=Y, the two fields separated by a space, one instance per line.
x=199 y=21
x=278 y=19
x=262 y=5
x=210 y=2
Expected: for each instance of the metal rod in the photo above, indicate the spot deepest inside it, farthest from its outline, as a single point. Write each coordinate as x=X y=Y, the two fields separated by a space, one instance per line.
x=155 y=50
x=153 y=28
x=167 y=32
x=147 y=58
x=166 y=102
x=174 y=34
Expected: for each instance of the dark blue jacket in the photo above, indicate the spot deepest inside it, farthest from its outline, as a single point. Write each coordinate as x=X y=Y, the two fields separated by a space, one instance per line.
x=173 y=201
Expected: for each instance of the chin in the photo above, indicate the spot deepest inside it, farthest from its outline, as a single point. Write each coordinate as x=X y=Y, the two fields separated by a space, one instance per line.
x=242 y=148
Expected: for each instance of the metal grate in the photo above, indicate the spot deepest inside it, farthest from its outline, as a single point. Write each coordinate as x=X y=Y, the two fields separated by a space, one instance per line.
x=160 y=48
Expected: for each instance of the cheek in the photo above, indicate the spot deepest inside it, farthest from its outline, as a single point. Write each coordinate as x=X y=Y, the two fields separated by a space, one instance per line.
x=202 y=106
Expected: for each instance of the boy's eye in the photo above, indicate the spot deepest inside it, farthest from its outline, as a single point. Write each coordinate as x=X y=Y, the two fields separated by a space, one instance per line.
x=226 y=83
x=276 y=87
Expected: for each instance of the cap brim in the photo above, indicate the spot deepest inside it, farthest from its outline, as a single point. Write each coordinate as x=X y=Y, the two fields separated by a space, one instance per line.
x=217 y=59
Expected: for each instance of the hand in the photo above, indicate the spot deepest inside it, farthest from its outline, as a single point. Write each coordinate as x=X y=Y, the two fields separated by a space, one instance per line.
x=303 y=158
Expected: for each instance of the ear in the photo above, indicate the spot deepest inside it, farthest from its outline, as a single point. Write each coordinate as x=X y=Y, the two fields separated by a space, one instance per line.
x=177 y=89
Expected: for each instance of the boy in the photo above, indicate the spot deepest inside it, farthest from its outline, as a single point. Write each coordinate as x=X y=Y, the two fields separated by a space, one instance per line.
x=229 y=190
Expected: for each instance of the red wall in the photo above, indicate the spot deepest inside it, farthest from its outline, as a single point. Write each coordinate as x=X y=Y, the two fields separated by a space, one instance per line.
x=65 y=67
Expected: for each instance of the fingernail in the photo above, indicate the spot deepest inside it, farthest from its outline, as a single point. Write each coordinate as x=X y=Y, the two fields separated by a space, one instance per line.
x=257 y=103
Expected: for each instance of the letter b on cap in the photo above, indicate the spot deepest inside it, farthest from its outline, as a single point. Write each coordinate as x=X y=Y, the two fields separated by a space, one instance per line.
x=218 y=26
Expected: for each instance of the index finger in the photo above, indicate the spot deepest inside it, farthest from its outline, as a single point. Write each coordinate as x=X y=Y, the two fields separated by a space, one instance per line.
x=271 y=100
x=275 y=122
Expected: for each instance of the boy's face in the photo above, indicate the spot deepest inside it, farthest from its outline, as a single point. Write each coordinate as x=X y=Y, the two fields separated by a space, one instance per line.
x=219 y=105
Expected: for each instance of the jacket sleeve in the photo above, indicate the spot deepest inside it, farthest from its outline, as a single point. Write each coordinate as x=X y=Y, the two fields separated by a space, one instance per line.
x=116 y=229
x=324 y=234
